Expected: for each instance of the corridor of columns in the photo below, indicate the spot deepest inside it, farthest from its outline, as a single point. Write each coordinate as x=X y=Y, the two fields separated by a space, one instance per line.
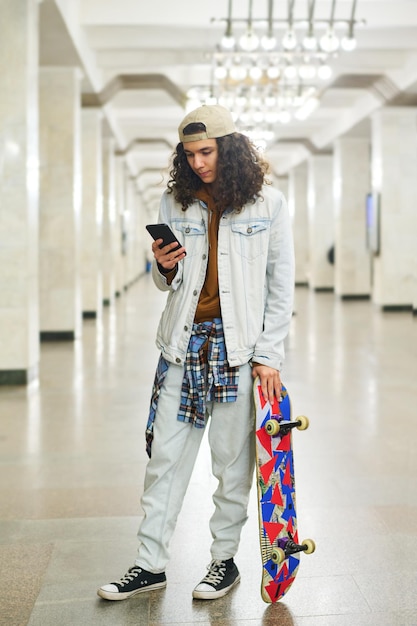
x=92 y=95
x=73 y=459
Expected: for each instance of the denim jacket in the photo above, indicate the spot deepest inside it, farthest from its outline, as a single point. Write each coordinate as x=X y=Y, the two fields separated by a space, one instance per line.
x=256 y=279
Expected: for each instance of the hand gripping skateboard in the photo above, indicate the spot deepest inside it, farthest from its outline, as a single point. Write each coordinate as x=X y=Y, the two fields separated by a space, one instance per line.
x=280 y=549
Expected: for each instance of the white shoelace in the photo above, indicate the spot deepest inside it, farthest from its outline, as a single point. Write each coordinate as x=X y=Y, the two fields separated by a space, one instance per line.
x=217 y=570
x=131 y=575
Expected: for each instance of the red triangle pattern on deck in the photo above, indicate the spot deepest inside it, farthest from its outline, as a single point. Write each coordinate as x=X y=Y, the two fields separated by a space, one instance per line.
x=272 y=529
x=283 y=572
x=267 y=469
x=265 y=440
x=285 y=443
x=275 y=407
x=262 y=400
x=277 y=590
x=277 y=497
x=286 y=480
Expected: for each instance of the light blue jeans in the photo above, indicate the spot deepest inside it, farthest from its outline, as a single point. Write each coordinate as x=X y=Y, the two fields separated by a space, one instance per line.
x=174 y=451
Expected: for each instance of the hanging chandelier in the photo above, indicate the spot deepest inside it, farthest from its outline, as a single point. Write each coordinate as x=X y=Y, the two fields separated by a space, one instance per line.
x=267 y=70
x=259 y=33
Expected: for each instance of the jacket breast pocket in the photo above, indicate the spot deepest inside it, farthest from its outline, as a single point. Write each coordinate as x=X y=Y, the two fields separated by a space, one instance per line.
x=191 y=234
x=250 y=238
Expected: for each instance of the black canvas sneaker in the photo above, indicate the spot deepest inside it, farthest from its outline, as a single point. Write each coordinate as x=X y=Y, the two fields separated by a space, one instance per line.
x=221 y=577
x=135 y=581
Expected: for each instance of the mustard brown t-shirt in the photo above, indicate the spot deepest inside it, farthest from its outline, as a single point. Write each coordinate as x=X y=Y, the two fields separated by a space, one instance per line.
x=209 y=302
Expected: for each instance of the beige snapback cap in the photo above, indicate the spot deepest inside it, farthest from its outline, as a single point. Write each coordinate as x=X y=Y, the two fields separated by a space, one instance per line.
x=217 y=120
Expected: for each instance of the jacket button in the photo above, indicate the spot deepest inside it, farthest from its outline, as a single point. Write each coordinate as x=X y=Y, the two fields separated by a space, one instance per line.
x=185 y=328
x=249 y=229
x=177 y=360
x=187 y=230
x=195 y=292
x=204 y=257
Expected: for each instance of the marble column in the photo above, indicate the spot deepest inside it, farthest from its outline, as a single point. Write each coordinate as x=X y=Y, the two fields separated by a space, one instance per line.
x=320 y=221
x=60 y=203
x=297 y=204
x=394 y=183
x=91 y=212
x=120 y=183
x=351 y=183
x=281 y=183
x=138 y=238
x=142 y=237
x=19 y=192
x=132 y=227
x=126 y=229
x=109 y=222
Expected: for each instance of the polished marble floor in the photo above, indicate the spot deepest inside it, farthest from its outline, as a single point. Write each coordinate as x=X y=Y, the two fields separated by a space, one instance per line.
x=72 y=463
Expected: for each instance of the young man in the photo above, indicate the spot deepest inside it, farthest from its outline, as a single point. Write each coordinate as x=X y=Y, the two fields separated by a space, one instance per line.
x=227 y=315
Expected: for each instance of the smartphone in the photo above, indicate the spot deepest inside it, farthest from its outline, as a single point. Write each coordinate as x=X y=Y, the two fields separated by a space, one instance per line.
x=163 y=231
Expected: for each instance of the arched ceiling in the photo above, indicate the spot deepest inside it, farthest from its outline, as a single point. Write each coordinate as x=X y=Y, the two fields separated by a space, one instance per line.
x=139 y=59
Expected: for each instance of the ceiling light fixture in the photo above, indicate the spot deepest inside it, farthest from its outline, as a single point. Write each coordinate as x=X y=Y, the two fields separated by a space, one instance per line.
x=330 y=42
x=228 y=41
x=310 y=39
x=267 y=69
x=289 y=41
x=269 y=41
x=255 y=36
x=249 y=41
x=349 y=42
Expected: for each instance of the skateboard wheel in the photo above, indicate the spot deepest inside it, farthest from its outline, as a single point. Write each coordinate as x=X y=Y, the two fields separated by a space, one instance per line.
x=272 y=427
x=304 y=422
x=278 y=555
x=311 y=546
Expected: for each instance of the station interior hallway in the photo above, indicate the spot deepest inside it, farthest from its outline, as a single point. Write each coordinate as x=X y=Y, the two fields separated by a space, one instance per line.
x=73 y=459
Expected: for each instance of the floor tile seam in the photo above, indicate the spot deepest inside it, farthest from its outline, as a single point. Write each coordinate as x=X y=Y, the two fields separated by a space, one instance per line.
x=65 y=520
x=365 y=599
x=249 y=621
x=306 y=576
x=44 y=603
x=372 y=532
x=220 y=622
x=46 y=519
x=30 y=539
x=216 y=623
x=56 y=543
x=410 y=582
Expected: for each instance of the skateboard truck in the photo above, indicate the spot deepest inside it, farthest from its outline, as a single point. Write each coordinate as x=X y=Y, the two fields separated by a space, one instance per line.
x=287 y=546
x=274 y=427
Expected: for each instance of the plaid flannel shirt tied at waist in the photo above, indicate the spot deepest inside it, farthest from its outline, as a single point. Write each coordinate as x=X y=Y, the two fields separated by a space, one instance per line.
x=207 y=377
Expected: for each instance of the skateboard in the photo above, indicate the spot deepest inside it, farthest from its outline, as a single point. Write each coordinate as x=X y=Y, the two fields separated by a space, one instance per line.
x=280 y=548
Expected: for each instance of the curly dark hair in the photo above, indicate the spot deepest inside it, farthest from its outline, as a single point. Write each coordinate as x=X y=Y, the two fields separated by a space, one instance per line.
x=240 y=174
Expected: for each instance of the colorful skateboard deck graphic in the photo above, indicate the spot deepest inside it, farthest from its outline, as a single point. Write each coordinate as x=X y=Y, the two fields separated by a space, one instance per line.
x=280 y=548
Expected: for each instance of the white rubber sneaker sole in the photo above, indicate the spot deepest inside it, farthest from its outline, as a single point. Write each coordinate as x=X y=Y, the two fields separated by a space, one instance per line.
x=205 y=592
x=110 y=592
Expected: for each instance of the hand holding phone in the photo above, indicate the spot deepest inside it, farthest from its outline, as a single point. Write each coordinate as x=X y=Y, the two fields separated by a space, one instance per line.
x=169 y=259
x=163 y=231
